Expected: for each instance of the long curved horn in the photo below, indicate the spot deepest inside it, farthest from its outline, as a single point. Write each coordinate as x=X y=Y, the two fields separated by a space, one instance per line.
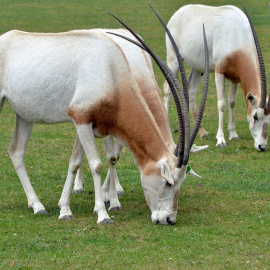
x=178 y=57
x=185 y=88
x=168 y=75
x=261 y=62
x=184 y=99
x=184 y=142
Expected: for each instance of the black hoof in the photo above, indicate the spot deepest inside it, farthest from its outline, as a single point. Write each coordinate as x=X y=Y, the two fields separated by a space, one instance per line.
x=236 y=139
x=77 y=191
x=115 y=209
x=221 y=145
x=67 y=217
x=206 y=136
x=44 y=212
x=106 y=221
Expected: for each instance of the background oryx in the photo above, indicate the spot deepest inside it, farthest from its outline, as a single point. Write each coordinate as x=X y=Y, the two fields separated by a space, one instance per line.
x=84 y=77
x=232 y=54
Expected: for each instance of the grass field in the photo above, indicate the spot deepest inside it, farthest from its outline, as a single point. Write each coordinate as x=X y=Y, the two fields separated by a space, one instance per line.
x=223 y=219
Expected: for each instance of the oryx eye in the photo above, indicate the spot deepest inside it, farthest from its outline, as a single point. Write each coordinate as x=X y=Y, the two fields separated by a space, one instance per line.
x=255 y=117
x=168 y=184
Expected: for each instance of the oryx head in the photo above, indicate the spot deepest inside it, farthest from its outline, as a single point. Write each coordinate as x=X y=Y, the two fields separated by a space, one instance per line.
x=161 y=190
x=161 y=180
x=259 y=118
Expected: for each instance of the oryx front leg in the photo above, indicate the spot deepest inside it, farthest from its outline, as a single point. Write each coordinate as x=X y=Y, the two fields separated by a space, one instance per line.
x=87 y=139
x=232 y=98
x=74 y=164
x=194 y=79
x=109 y=187
x=220 y=84
x=16 y=152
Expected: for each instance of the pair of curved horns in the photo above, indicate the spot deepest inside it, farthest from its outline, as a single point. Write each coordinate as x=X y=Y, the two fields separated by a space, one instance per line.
x=180 y=97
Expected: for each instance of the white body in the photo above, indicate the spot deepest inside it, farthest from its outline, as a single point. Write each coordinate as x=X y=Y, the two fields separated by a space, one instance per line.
x=83 y=77
x=232 y=55
x=141 y=67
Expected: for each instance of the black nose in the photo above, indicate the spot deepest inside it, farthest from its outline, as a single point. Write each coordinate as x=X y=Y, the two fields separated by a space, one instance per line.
x=169 y=221
x=262 y=148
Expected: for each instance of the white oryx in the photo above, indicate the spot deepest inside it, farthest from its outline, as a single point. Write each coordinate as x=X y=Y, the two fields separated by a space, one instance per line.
x=83 y=77
x=141 y=66
x=232 y=55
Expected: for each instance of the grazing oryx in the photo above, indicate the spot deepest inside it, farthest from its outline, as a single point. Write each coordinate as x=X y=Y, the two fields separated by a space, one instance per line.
x=141 y=66
x=83 y=77
x=232 y=55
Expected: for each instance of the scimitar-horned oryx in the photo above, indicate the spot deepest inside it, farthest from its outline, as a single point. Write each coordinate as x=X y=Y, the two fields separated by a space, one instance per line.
x=82 y=77
x=233 y=54
x=141 y=66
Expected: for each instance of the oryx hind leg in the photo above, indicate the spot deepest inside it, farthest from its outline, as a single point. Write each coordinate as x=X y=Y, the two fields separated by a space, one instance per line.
x=79 y=181
x=232 y=98
x=109 y=192
x=16 y=152
x=74 y=164
x=106 y=185
x=194 y=79
x=118 y=149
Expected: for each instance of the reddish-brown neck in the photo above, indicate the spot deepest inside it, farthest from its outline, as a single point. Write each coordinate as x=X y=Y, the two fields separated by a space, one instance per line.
x=124 y=114
x=153 y=98
x=243 y=68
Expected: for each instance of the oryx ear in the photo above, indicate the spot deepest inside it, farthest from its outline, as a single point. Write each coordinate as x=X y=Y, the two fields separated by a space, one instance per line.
x=190 y=171
x=251 y=99
x=195 y=148
x=166 y=172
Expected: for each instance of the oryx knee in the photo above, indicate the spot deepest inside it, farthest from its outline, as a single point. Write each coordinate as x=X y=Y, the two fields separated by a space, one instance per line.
x=75 y=163
x=12 y=151
x=96 y=166
x=221 y=105
x=112 y=159
x=16 y=156
x=232 y=103
x=74 y=166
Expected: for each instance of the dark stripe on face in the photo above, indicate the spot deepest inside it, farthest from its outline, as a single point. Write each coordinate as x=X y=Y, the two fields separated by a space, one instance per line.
x=265 y=130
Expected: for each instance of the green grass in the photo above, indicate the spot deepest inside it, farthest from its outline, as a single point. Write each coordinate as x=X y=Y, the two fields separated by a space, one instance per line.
x=223 y=219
